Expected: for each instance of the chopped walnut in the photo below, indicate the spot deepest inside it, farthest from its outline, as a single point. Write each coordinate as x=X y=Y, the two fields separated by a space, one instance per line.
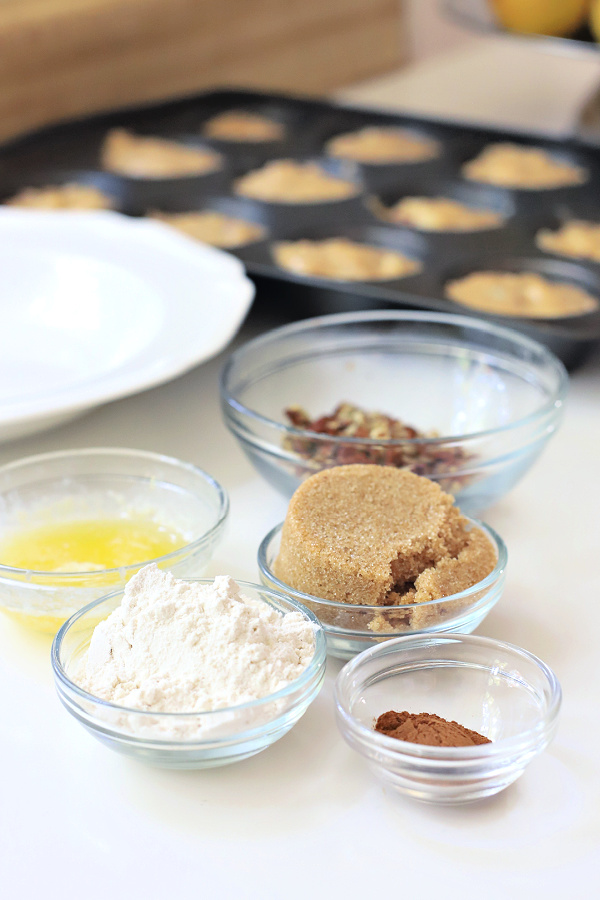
x=421 y=455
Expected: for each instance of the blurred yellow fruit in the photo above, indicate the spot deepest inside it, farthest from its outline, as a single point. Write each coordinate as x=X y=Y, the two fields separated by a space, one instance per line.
x=554 y=17
x=595 y=19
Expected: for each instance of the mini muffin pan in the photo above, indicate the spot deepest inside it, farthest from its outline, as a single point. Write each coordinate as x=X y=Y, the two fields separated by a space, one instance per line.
x=71 y=152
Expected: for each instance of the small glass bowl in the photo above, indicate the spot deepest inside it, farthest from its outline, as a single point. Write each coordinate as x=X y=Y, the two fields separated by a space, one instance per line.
x=102 y=483
x=347 y=625
x=496 y=689
x=493 y=396
x=185 y=740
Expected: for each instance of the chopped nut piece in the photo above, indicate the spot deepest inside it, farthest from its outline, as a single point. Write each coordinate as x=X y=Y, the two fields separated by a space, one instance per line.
x=422 y=457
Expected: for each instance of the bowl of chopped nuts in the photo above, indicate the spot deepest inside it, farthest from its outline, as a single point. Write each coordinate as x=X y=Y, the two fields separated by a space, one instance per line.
x=467 y=403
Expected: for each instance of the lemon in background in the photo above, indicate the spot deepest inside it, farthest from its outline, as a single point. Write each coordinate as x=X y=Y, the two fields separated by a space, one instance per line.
x=595 y=19
x=558 y=18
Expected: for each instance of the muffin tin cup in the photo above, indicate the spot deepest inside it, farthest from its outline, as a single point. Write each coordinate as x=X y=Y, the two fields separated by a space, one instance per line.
x=457 y=242
x=379 y=175
x=74 y=147
x=550 y=268
x=402 y=241
x=115 y=189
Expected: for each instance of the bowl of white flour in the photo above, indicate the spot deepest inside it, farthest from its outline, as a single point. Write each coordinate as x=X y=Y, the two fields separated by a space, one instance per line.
x=189 y=673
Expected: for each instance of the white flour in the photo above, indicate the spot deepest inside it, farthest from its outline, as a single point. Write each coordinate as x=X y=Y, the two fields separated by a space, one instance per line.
x=174 y=646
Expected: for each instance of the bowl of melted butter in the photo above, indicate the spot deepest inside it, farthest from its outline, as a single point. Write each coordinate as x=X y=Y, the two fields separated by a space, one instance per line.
x=77 y=524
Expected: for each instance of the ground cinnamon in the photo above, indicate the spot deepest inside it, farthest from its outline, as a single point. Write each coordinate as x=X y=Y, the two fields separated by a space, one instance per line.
x=427 y=728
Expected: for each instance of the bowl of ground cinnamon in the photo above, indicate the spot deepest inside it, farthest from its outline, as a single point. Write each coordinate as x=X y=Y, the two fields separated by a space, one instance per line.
x=447 y=718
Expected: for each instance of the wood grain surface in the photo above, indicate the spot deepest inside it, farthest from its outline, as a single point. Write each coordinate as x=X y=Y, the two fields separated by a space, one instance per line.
x=64 y=58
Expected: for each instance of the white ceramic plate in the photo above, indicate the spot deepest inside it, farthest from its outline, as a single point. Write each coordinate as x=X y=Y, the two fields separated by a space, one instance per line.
x=96 y=306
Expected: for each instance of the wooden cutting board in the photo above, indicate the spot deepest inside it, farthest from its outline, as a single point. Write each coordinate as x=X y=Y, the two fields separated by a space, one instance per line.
x=65 y=58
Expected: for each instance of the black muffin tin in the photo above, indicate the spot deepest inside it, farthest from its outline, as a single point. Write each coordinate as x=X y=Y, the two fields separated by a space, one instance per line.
x=70 y=152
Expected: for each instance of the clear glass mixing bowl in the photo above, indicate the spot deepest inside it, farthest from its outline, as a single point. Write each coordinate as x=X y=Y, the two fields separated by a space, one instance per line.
x=493 y=396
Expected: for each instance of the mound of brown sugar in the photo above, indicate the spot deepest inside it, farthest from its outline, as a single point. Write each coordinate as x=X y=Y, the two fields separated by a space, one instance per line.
x=427 y=728
x=377 y=535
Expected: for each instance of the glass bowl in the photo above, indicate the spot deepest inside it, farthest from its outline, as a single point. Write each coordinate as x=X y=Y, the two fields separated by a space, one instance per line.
x=496 y=689
x=494 y=396
x=350 y=628
x=185 y=740
x=102 y=484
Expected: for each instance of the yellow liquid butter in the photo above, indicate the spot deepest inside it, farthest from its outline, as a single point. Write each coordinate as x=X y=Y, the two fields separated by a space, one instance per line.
x=84 y=546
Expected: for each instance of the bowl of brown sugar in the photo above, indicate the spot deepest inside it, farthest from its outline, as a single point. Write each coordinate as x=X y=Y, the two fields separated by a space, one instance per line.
x=447 y=718
x=376 y=552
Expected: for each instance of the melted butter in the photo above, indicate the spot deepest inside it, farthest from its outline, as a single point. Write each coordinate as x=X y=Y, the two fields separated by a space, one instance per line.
x=88 y=546
x=43 y=624
x=82 y=546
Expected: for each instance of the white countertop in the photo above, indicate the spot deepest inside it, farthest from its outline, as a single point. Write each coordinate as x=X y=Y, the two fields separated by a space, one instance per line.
x=305 y=818
x=521 y=84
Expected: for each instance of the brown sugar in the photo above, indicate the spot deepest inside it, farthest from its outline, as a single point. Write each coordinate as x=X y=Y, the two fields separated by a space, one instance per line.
x=427 y=728
x=380 y=536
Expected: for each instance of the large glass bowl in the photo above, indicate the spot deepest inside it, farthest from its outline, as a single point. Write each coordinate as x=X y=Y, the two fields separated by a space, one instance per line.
x=195 y=740
x=496 y=689
x=352 y=628
x=493 y=396
x=97 y=484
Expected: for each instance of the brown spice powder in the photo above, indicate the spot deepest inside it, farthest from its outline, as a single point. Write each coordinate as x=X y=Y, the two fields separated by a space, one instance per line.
x=427 y=728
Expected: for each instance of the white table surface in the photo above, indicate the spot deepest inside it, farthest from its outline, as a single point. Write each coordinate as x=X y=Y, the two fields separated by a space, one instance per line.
x=305 y=818
x=517 y=83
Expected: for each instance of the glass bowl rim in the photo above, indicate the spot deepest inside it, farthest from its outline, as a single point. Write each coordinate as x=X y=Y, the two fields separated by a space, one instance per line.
x=302 y=597
x=521 y=741
x=416 y=316
x=14 y=573
x=316 y=663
